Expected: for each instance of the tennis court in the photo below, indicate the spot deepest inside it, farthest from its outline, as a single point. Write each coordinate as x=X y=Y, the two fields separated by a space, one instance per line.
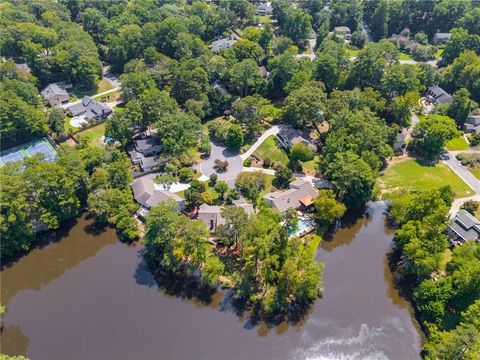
x=29 y=149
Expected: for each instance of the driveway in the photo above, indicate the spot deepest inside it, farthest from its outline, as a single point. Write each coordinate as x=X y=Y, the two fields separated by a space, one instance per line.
x=461 y=171
x=274 y=130
x=235 y=163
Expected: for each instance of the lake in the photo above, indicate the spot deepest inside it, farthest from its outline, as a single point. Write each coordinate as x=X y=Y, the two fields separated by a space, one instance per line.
x=88 y=296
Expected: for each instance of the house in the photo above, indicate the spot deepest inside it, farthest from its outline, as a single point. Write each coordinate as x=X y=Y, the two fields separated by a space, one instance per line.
x=463 y=227
x=146 y=163
x=220 y=87
x=343 y=31
x=438 y=95
x=23 y=67
x=263 y=72
x=400 y=142
x=411 y=46
x=301 y=194
x=399 y=40
x=148 y=146
x=441 y=38
x=224 y=43
x=264 y=10
x=90 y=109
x=55 y=95
x=211 y=216
x=148 y=195
x=289 y=136
x=472 y=124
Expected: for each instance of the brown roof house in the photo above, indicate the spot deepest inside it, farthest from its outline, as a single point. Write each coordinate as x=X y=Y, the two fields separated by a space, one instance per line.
x=148 y=195
x=211 y=216
x=301 y=194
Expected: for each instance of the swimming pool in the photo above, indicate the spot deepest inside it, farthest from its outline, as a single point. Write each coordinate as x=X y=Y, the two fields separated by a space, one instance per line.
x=304 y=224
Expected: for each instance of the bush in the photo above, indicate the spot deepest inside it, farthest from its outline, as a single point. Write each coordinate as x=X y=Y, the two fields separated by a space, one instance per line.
x=301 y=152
x=186 y=175
x=247 y=162
x=221 y=165
x=475 y=140
x=267 y=162
x=471 y=206
x=213 y=179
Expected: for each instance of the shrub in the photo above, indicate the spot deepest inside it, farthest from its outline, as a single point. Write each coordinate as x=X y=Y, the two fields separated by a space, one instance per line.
x=475 y=140
x=221 y=165
x=213 y=179
x=267 y=162
x=471 y=206
x=247 y=162
x=186 y=175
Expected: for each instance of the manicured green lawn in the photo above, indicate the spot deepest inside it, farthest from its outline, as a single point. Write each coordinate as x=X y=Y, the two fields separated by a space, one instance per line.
x=311 y=165
x=352 y=52
x=93 y=135
x=403 y=56
x=103 y=85
x=264 y=19
x=268 y=185
x=413 y=175
x=476 y=173
x=270 y=149
x=457 y=144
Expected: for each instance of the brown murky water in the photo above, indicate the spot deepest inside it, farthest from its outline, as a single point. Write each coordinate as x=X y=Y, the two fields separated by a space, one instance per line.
x=90 y=297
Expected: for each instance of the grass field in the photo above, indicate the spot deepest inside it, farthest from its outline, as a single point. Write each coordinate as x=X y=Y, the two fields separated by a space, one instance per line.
x=93 y=135
x=270 y=149
x=457 y=144
x=352 y=52
x=103 y=85
x=311 y=165
x=438 y=53
x=403 y=56
x=476 y=173
x=413 y=175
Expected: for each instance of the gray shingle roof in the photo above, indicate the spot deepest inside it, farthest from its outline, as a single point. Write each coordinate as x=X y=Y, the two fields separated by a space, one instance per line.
x=298 y=192
x=53 y=90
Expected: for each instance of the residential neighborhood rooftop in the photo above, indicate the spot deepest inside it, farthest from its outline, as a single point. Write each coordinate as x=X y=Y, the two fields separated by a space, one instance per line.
x=300 y=193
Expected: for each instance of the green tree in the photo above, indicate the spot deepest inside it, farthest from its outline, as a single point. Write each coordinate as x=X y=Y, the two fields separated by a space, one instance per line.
x=245 y=77
x=328 y=208
x=433 y=132
x=301 y=152
x=305 y=106
x=352 y=178
x=248 y=112
x=460 y=106
x=234 y=137
x=221 y=187
x=178 y=132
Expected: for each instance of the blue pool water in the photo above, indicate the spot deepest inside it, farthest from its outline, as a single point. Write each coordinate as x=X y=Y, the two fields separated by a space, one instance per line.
x=303 y=224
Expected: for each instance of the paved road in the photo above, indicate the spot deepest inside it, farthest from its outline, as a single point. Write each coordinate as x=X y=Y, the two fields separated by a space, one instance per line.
x=274 y=130
x=235 y=163
x=461 y=171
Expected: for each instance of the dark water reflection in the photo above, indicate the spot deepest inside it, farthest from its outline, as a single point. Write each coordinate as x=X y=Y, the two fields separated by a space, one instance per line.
x=91 y=297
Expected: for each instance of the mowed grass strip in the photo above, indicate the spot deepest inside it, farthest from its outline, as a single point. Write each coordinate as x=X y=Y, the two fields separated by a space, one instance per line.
x=457 y=144
x=270 y=149
x=93 y=135
x=415 y=175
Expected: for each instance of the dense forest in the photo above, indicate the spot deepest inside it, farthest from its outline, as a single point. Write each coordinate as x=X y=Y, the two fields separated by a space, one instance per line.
x=353 y=96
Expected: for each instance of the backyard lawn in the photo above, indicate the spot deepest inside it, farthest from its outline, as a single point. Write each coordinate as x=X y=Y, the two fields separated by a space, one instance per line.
x=457 y=144
x=312 y=165
x=403 y=56
x=270 y=149
x=102 y=86
x=93 y=135
x=352 y=52
x=413 y=175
